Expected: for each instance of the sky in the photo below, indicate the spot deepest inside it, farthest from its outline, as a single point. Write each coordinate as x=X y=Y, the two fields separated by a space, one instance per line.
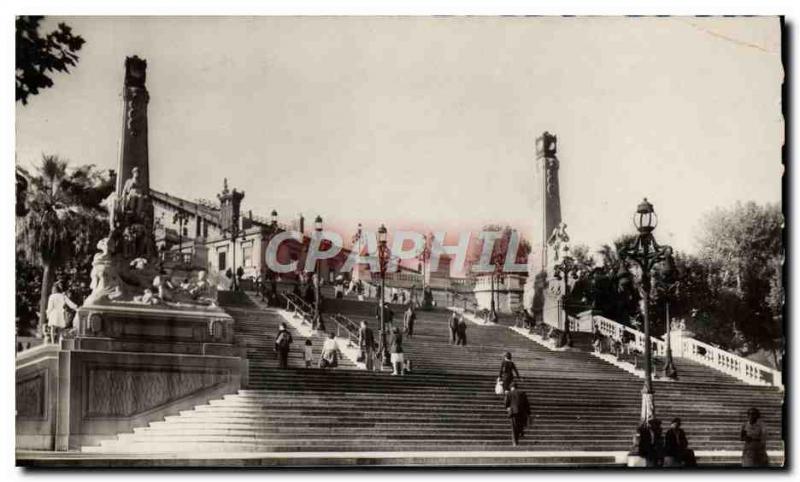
x=430 y=122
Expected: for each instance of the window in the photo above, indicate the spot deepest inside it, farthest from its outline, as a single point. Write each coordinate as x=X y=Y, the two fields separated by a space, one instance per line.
x=222 y=266
x=247 y=256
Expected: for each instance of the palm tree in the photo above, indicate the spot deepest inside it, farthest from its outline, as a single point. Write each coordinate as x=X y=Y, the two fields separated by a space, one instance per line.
x=64 y=217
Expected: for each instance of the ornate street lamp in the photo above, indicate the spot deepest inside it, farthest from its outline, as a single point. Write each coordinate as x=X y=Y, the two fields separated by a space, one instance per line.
x=267 y=233
x=180 y=217
x=383 y=260
x=498 y=267
x=669 y=368
x=646 y=253
x=317 y=281
x=565 y=269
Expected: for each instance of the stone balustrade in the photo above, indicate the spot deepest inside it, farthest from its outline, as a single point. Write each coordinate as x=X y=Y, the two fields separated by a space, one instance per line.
x=684 y=346
x=739 y=367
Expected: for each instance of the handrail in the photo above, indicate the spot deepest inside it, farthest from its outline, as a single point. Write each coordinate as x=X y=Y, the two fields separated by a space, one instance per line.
x=345 y=324
x=297 y=305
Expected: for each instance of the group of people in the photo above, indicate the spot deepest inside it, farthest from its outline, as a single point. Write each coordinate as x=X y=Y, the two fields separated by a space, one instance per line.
x=371 y=353
x=458 y=330
x=664 y=450
x=515 y=400
x=329 y=358
x=672 y=449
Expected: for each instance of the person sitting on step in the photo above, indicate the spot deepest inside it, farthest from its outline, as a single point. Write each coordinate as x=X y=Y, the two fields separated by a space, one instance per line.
x=676 y=447
x=330 y=353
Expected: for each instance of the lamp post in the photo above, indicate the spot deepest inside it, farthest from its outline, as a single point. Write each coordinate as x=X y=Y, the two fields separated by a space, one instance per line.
x=317 y=313
x=669 y=368
x=383 y=259
x=562 y=271
x=492 y=307
x=646 y=253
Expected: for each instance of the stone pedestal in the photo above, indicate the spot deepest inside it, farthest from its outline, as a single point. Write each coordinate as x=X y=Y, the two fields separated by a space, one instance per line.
x=127 y=366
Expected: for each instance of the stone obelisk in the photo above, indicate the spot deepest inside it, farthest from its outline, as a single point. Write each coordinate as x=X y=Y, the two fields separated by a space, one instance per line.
x=538 y=300
x=133 y=147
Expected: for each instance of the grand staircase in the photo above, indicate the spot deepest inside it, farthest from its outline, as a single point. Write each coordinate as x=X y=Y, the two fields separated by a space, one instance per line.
x=579 y=403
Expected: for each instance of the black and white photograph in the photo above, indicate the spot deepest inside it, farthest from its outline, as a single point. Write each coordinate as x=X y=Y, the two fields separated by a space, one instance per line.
x=396 y=241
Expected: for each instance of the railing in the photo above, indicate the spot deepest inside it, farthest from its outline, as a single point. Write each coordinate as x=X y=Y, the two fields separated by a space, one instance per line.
x=616 y=331
x=345 y=325
x=297 y=305
x=739 y=367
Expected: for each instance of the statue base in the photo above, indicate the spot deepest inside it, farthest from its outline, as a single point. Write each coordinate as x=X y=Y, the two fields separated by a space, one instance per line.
x=128 y=365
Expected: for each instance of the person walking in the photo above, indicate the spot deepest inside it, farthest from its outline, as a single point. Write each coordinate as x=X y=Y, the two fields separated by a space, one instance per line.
x=366 y=343
x=396 y=350
x=308 y=353
x=676 y=447
x=508 y=371
x=519 y=411
x=56 y=315
x=453 y=328
x=408 y=321
x=461 y=332
x=754 y=436
x=283 y=343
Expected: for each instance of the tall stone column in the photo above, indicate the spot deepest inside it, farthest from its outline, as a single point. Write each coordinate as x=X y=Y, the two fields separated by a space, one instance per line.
x=133 y=148
x=537 y=299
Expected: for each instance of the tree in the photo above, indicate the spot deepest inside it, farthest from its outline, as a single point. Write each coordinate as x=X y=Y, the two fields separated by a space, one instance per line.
x=743 y=244
x=65 y=219
x=39 y=56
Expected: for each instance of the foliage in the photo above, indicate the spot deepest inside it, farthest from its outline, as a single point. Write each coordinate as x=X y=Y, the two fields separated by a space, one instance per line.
x=38 y=56
x=730 y=295
x=64 y=222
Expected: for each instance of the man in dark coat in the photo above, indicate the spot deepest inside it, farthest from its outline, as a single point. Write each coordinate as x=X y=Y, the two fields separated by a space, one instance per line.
x=408 y=321
x=366 y=343
x=461 y=332
x=282 y=344
x=651 y=443
x=676 y=447
x=453 y=327
x=519 y=410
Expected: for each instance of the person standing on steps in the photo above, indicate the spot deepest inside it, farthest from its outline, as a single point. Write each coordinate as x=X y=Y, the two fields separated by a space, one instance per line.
x=519 y=411
x=408 y=321
x=283 y=342
x=461 y=332
x=396 y=349
x=308 y=353
x=508 y=371
x=754 y=436
x=453 y=328
x=366 y=343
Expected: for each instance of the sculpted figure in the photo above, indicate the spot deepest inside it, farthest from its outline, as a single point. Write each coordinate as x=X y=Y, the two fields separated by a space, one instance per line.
x=133 y=193
x=105 y=282
x=557 y=239
x=202 y=290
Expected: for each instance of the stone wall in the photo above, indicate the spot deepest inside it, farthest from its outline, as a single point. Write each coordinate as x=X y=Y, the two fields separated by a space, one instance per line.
x=71 y=398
